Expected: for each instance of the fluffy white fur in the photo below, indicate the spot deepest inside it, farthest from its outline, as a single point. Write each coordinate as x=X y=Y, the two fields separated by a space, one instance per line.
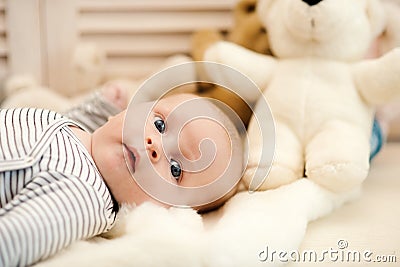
x=320 y=90
x=232 y=236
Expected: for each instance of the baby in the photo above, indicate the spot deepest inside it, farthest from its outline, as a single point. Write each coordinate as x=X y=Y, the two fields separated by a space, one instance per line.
x=59 y=183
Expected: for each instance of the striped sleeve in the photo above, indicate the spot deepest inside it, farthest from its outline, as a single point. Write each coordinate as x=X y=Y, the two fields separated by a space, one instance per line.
x=45 y=219
x=93 y=112
x=21 y=128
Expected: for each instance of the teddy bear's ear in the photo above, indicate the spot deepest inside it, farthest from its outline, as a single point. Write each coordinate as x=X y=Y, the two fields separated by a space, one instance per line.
x=246 y=6
x=244 y=9
x=376 y=14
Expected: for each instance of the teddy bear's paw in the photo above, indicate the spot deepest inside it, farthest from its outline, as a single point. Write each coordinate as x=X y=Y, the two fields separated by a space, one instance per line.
x=278 y=176
x=338 y=177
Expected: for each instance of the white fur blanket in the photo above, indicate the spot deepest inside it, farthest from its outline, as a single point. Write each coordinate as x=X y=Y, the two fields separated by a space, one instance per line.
x=234 y=235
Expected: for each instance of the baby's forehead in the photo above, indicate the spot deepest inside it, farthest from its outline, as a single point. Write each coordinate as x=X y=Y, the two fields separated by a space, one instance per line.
x=187 y=105
x=174 y=101
x=191 y=120
x=195 y=112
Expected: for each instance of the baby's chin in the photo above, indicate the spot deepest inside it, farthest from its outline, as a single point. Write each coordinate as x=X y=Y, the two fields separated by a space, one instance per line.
x=140 y=196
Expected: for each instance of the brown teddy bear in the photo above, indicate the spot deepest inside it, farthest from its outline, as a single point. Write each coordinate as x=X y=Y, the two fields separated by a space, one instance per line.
x=248 y=32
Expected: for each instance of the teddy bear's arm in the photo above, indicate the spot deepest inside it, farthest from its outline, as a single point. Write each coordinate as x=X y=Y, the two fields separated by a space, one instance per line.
x=257 y=67
x=201 y=40
x=378 y=80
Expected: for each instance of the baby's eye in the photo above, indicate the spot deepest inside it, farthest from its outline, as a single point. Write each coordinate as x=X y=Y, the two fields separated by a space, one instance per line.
x=160 y=124
x=176 y=170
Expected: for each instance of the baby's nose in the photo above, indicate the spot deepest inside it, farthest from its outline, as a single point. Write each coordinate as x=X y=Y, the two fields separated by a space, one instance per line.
x=153 y=149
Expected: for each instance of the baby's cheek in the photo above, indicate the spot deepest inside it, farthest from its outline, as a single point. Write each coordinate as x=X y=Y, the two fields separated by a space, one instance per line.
x=116 y=160
x=162 y=169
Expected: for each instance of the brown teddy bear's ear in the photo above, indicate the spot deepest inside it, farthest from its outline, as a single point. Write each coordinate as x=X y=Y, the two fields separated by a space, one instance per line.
x=376 y=15
x=243 y=9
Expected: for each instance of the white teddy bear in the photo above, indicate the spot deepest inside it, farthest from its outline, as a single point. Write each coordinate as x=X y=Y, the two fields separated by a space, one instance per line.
x=321 y=92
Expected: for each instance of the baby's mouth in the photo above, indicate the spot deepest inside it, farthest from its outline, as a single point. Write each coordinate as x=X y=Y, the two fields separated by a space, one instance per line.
x=131 y=156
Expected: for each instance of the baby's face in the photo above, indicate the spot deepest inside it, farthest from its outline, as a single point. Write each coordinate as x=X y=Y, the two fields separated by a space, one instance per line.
x=168 y=145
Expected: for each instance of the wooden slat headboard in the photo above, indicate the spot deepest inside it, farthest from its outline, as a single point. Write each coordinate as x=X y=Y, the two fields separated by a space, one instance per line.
x=136 y=35
x=4 y=52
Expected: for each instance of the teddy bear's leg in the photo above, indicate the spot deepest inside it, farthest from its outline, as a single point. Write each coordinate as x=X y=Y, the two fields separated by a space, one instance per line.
x=337 y=158
x=288 y=164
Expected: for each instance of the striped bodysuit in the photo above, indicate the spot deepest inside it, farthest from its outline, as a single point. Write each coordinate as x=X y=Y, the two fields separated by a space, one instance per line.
x=51 y=192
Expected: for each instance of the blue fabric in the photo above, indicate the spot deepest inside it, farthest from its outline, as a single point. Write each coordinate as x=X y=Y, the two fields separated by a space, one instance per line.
x=377 y=140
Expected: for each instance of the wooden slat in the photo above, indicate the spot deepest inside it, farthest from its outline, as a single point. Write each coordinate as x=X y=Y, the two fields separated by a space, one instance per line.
x=156 y=5
x=61 y=40
x=152 y=22
x=24 y=38
x=3 y=46
x=2 y=21
x=138 y=35
x=132 y=67
x=3 y=68
x=140 y=45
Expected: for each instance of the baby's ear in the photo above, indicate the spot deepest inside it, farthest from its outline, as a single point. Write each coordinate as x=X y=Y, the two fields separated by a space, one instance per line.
x=377 y=18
